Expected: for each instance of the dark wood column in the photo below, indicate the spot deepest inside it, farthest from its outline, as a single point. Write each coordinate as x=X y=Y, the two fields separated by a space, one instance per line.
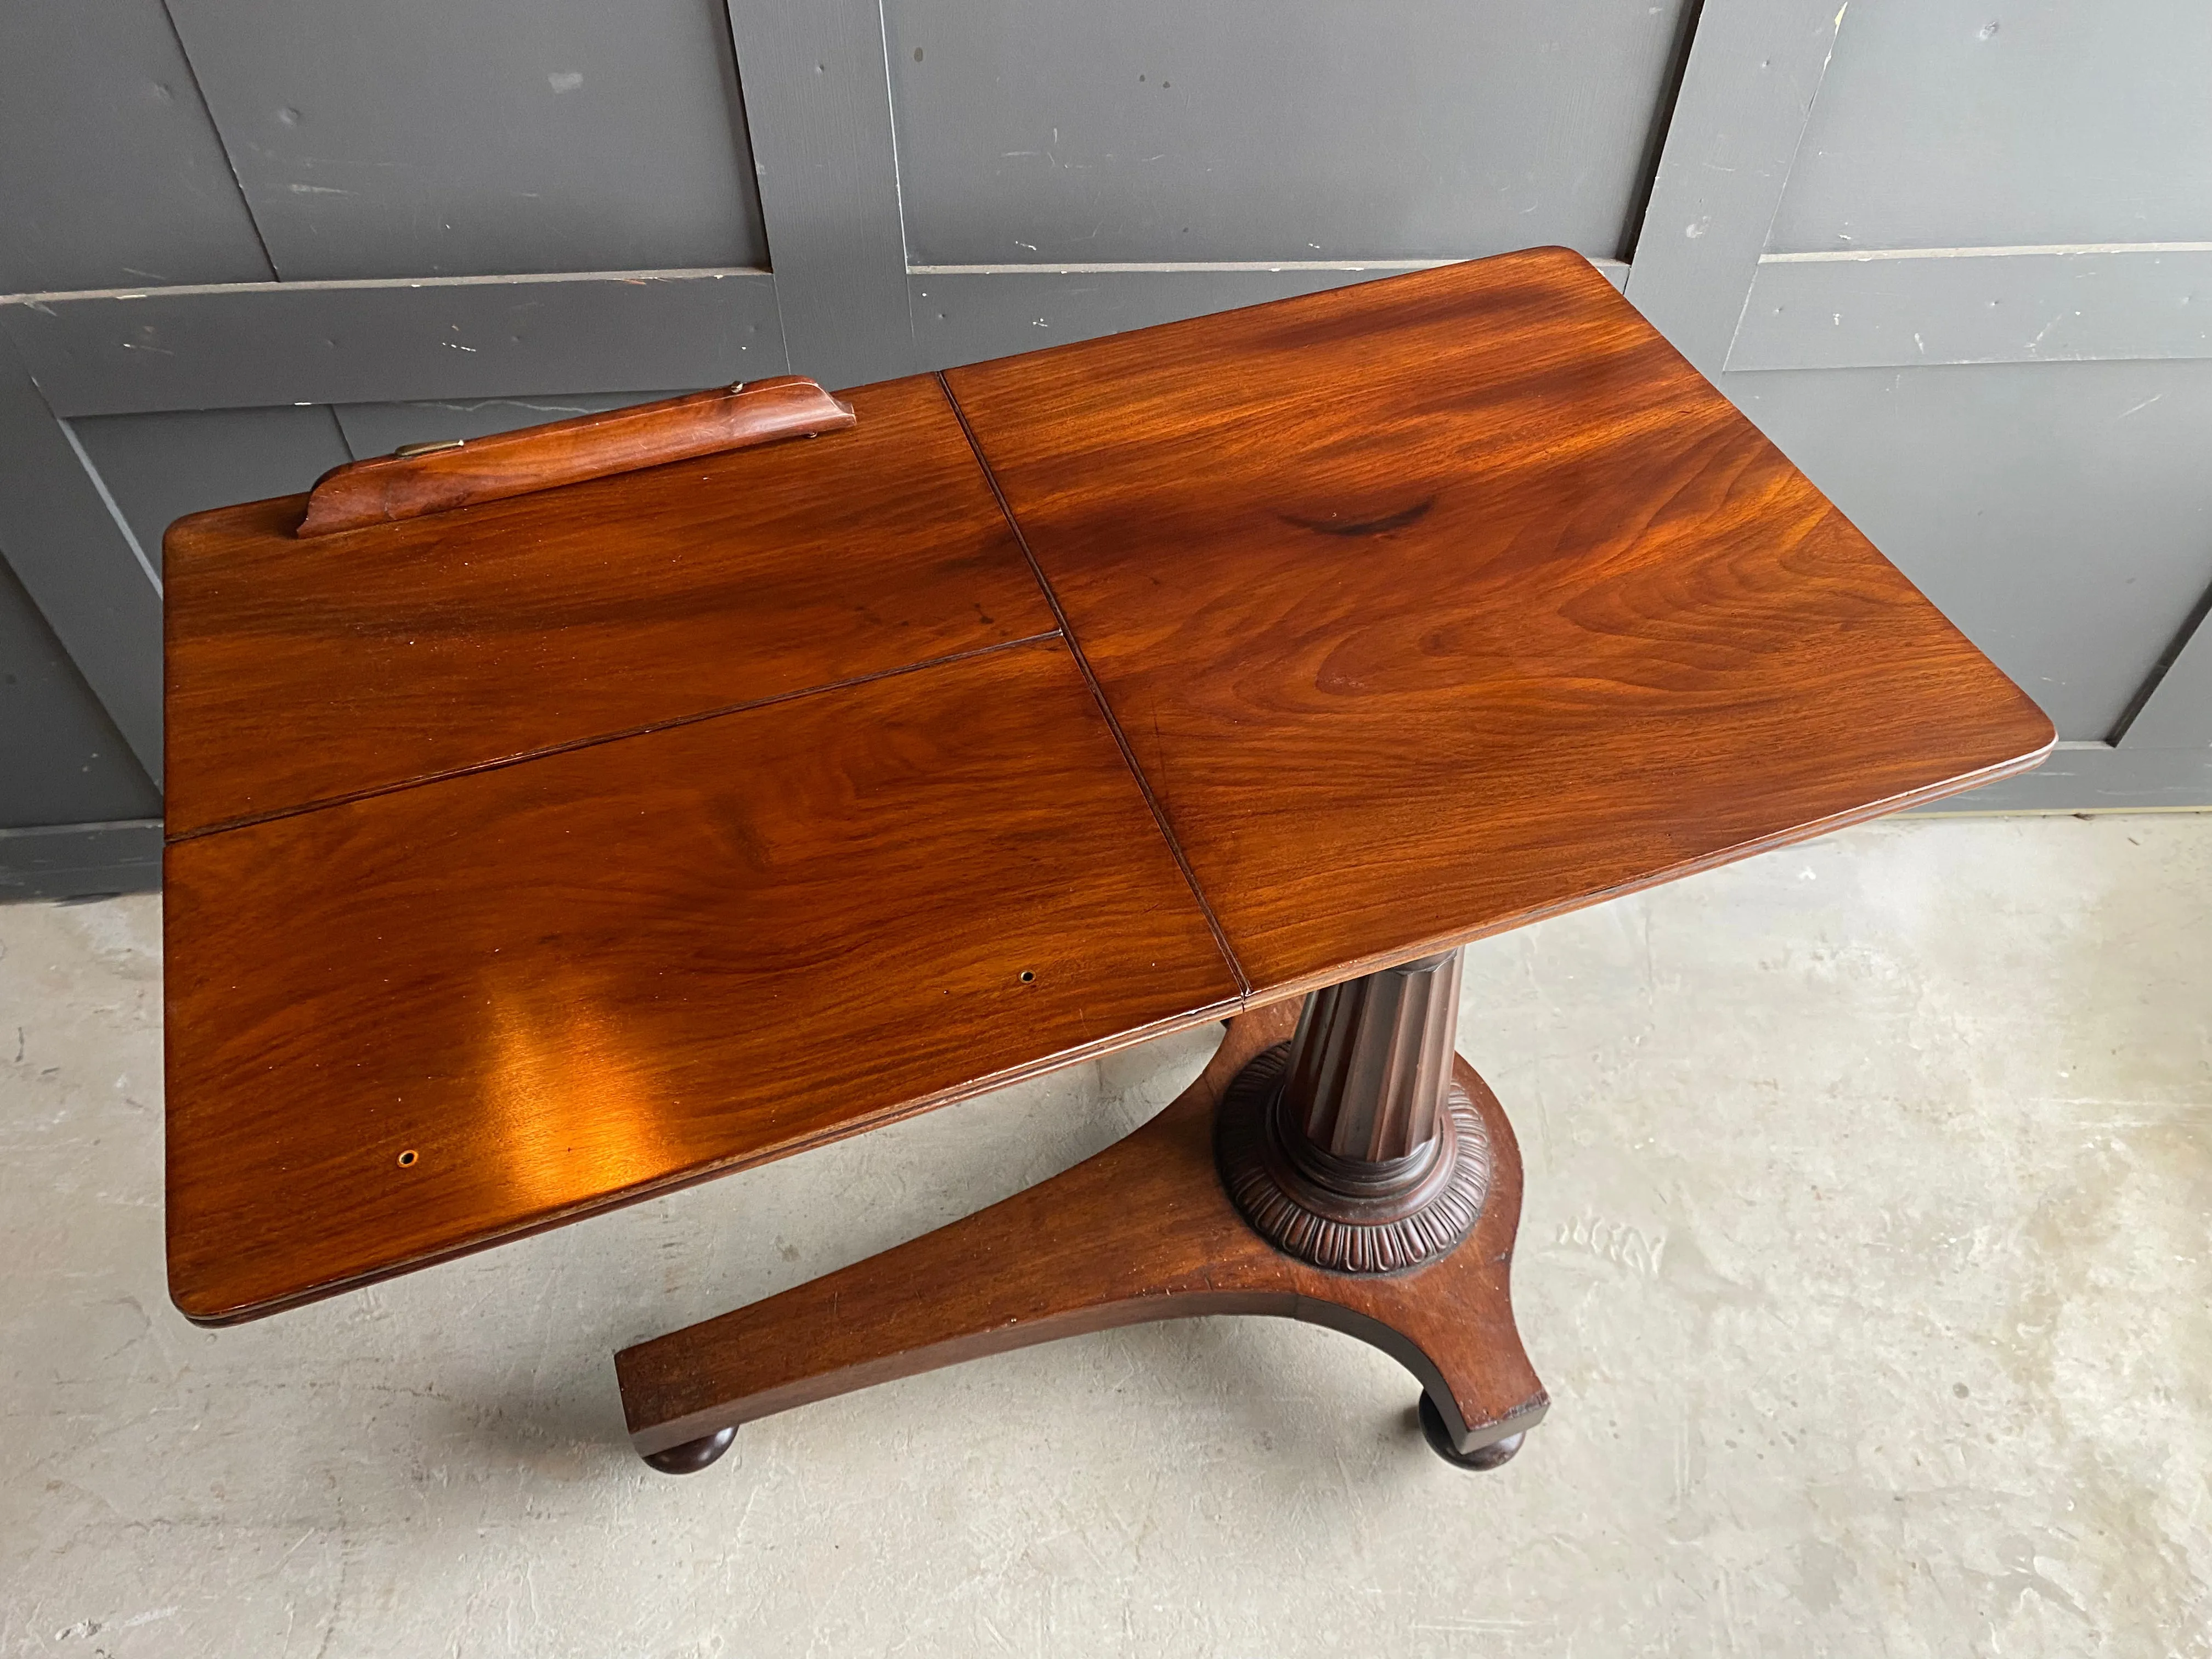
x=1370 y=1061
x=1351 y=1146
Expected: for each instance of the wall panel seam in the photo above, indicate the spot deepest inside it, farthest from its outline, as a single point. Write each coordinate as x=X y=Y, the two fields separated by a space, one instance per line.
x=221 y=139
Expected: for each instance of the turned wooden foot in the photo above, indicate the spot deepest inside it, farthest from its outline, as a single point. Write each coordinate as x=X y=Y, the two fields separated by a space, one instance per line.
x=1147 y=1230
x=693 y=1455
x=1488 y=1456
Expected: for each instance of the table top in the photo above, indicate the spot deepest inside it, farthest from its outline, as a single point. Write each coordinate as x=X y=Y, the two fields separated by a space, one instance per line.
x=546 y=854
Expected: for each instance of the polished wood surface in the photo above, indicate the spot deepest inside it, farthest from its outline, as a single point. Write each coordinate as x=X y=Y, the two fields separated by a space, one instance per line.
x=1143 y=1231
x=425 y=1021
x=1418 y=608
x=420 y=480
x=305 y=671
x=1433 y=605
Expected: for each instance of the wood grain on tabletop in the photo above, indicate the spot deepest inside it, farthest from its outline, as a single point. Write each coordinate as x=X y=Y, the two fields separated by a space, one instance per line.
x=573 y=982
x=1141 y=1231
x=304 y=670
x=1433 y=605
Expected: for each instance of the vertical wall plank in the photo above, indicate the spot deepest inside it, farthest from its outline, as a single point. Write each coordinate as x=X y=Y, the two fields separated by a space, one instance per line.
x=817 y=99
x=68 y=547
x=1754 y=69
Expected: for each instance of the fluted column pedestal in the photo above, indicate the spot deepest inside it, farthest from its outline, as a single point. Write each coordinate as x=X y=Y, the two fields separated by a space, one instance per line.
x=1351 y=1146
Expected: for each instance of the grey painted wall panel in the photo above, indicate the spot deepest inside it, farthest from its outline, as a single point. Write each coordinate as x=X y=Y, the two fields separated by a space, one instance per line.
x=1977 y=306
x=824 y=151
x=969 y=315
x=2178 y=713
x=160 y=467
x=336 y=342
x=421 y=137
x=2060 y=515
x=1966 y=122
x=73 y=556
x=1754 y=71
x=61 y=758
x=379 y=429
x=112 y=173
x=1257 y=129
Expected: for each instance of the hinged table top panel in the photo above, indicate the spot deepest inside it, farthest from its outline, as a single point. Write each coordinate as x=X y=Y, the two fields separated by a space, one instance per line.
x=1433 y=605
x=310 y=670
x=604 y=972
x=1371 y=622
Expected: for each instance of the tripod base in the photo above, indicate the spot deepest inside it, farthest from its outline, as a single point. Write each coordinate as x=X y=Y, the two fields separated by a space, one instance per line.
x=1144 y=1231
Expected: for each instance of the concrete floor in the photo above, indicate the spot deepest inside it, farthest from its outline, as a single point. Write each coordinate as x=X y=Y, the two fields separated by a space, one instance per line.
x=1865 y=1257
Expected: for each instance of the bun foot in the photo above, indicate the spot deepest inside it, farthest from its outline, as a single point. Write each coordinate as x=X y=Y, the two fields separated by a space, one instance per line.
x=1482 y=1457
x=693 y=1455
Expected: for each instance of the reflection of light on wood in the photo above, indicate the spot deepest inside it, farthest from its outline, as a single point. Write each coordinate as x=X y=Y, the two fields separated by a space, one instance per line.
x=574 y=1111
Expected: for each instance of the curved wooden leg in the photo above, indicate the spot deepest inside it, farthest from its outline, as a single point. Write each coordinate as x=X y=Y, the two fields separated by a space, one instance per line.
x=1143 y=1231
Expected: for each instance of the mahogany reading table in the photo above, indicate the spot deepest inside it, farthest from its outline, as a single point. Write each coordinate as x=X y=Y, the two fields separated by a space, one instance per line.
x=563 y=816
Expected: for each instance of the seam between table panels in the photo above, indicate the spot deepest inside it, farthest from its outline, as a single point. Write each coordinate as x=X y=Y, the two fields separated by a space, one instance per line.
x=1098 y=695
x=226 y=825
